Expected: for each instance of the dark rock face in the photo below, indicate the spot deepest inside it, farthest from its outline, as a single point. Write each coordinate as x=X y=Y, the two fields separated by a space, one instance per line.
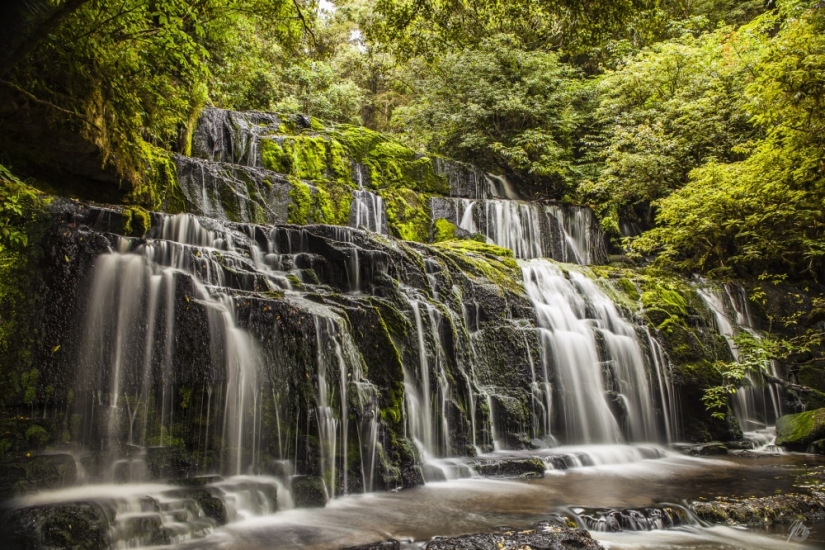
x=308 y=492
x=391 y=544
x=763 y=511
x=550 y=538
x=36 y=473
x=82 y=526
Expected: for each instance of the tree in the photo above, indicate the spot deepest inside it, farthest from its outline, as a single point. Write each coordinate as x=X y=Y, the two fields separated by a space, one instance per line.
x=507 y=109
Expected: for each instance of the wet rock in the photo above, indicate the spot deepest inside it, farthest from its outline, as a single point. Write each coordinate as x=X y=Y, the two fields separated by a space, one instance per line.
x=549 y=538
x=391 y=544
x=81 y=526
x=36 y=473
x=197 y=481
x=308 y=492
x=513 y=467
x=762 y=511
x=211 y=505
x=741 y=445
x=798 y=431
x=714 y=448
x=644 y=519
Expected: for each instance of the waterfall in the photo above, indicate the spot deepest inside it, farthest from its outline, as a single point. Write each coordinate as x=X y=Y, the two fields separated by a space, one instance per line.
x=756 y=404
x=574 y=316
x=128 y=342
x=367 y=208
x=574 y=228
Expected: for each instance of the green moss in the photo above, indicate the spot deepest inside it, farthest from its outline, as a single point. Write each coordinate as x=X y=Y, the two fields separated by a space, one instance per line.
x=408 y=214
x=629 y=288
x=155 y=184
x=391 y=164
x=326 y=202
x=136 y=221
x=316 y=124
x=274 y=157
x=661 y=296
x=492 y=262
x=443 y=230
x=800 y=429
x=300 y=202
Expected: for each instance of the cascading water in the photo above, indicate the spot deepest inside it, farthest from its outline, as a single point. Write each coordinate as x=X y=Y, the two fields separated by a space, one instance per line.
x=367 y=208
x=756 y=405
x=573 y=316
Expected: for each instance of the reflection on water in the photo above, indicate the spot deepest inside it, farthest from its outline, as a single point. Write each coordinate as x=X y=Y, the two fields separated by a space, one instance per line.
x=475 y=505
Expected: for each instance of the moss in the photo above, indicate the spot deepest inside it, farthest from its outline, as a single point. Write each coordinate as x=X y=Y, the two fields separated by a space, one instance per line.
x=155 y=183
x=629 y=288
x=661 y=296
x=326 y=202
x=300 y=202
x=316 y=124
x=391 y=164
x=136 y=221
x=476 y=259
x=408 y=214
x=274 y=157
x=443 y=230
x=800 y=429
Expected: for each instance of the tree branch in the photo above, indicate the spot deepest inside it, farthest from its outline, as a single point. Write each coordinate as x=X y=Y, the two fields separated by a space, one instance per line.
x=46 y=27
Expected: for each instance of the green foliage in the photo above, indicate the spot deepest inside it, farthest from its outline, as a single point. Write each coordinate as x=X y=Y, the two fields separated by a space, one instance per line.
x=667 y=111
x=762 y=214
x=753 y=359
x=17 y=203
x=503 y=107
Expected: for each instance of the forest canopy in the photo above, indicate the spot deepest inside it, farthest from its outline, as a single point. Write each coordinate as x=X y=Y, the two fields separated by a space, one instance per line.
x=698 y=124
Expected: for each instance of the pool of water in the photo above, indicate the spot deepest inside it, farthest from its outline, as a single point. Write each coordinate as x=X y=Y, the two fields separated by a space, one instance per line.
x=464 y=506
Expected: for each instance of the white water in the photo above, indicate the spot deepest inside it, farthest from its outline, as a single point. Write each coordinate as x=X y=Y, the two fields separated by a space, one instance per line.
x=367 y=208
x=571 y=314
x=756 y=404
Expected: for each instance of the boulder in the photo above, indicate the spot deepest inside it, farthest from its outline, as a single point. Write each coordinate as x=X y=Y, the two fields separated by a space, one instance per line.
x=308 y=492
x=798 y=431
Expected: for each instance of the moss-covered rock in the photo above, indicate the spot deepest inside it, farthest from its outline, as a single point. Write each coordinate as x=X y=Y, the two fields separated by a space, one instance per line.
x=408 y=214
x=798 y=431
x=443 y=230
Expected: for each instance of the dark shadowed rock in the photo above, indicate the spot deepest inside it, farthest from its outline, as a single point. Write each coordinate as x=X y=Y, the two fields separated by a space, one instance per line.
x=308 y=492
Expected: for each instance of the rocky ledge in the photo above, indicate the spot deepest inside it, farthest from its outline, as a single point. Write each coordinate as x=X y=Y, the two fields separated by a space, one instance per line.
x=763 y=511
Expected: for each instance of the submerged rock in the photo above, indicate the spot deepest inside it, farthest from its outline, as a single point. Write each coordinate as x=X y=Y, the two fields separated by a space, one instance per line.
x=798 y=431
x=549 y=538
x=762 y=511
